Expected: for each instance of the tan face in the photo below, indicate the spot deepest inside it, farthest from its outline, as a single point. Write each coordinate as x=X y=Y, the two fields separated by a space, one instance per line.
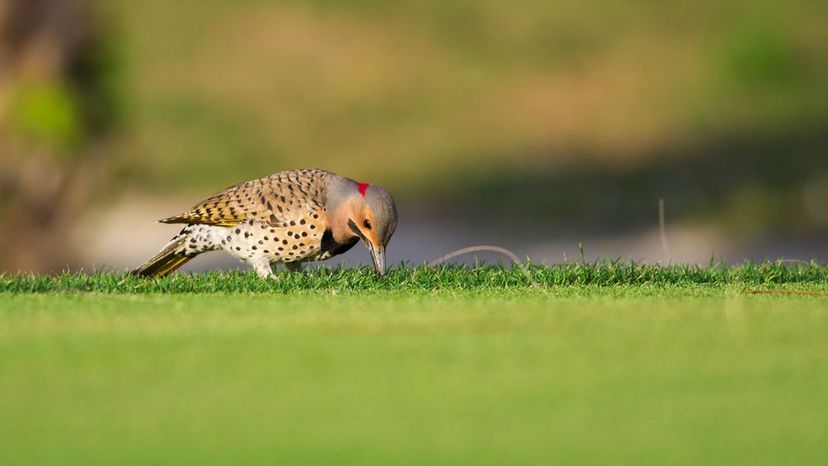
x=364 y=211
x=365 y=222
x=355 y=219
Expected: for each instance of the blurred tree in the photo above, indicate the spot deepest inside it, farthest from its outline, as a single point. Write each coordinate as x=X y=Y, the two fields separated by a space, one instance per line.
x=57 y=103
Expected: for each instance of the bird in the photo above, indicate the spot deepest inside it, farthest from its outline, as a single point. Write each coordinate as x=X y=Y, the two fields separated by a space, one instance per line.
x=289 y=217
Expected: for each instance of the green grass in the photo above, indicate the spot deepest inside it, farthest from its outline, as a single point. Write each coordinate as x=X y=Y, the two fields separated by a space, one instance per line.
x=565 y=278
x=600 y=364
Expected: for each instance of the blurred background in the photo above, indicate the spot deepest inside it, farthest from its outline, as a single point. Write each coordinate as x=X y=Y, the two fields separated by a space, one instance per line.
x=531 y=124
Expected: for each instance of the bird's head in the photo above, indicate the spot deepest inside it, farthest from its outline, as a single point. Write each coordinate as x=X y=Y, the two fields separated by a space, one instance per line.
x=364 y=211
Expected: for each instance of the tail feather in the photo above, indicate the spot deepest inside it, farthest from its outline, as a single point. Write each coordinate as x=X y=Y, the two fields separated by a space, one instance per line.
x=165 y=262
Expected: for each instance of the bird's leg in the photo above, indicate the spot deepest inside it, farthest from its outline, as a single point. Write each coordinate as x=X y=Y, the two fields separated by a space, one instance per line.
x=262 y=267
x=293 y=266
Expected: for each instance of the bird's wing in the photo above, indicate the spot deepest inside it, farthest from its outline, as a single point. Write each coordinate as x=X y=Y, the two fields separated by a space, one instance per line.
x=273 y=200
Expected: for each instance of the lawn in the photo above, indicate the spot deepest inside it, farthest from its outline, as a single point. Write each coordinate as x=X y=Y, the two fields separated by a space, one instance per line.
x=565 y=365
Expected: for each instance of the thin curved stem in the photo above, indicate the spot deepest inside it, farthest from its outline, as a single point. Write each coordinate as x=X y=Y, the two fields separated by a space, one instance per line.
x=470 y=249
x=486 y=248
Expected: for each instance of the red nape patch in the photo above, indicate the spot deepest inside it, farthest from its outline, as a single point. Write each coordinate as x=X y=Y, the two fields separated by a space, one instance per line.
x=362 y=188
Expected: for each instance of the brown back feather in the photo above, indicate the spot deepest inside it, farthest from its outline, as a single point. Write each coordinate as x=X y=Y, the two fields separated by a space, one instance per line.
x=271 y=200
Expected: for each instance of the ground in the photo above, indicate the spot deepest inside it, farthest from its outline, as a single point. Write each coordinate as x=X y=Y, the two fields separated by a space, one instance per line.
x=450 y=367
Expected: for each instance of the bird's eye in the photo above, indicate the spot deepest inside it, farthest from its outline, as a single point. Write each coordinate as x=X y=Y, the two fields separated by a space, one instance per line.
x=367 y=223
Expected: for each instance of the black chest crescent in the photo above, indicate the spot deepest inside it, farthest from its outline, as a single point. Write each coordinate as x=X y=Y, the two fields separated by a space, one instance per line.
x=331 y=248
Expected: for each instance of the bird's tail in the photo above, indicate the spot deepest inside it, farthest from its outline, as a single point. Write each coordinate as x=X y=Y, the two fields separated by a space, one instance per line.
x=165 y=262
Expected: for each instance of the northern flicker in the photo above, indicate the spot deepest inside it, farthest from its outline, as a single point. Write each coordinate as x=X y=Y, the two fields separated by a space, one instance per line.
x=292 y=217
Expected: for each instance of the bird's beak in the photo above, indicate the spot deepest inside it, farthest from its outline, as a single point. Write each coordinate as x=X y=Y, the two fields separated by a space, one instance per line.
x=378 y=256
x=377 y=251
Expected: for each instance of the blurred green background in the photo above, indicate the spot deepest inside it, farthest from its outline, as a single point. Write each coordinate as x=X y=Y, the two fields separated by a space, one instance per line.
x=532 y=123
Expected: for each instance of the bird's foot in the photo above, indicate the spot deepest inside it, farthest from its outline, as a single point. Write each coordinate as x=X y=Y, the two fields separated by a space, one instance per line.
x=262 y=268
